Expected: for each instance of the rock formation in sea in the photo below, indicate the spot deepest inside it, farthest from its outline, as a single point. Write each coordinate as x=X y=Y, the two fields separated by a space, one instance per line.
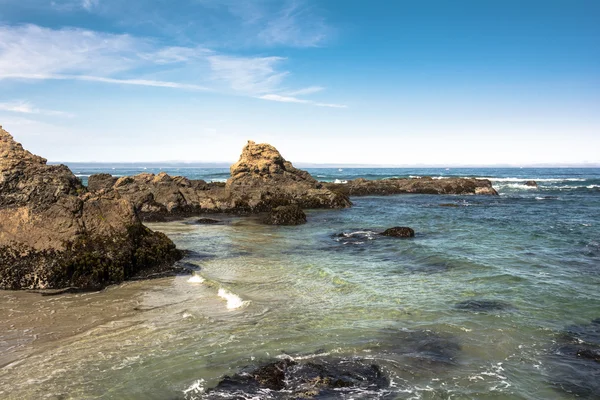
x=285 y=215
x=56 y=234
x=423 y=185
x=260 y=181
x=531 y=183
x=399 y=231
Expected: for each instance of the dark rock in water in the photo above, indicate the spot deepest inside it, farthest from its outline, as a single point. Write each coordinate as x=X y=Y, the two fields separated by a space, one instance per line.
x=207 y=221
x=337 y=378
x=285 y=215
x=531 y=183
x=54 y=234
x=425 y=185
x=399 y=231
x=483 y=305
x=449 y=205
x=419 y=348
x=358 y=236
x=574 y=363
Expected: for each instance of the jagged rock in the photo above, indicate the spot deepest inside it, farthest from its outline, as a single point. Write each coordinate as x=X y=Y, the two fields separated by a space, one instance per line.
x=330 y=378
x=261 y=180
x=531 y=183
x=424 y=185
x=285 y=215
x=53 y=234
x=399 y=231
x=99 y=182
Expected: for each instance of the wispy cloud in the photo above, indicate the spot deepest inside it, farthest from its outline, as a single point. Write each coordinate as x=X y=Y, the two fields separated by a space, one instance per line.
x=296 y=24
x=24 y=107
x=30 y=52
x=290 y=99
x=90 y=4
x=250 y=75
x=305 y=91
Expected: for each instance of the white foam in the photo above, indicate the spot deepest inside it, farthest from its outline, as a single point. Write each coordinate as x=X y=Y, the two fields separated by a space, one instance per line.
x=338 y=181
x=196 y=279
x=233 y=300
x=196 y=387
x=593 y=186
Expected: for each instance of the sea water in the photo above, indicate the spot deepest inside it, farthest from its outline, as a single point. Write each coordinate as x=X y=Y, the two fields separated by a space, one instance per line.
x=476 y=305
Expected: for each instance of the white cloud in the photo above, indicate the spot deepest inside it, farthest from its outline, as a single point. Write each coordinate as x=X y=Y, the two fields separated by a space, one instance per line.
x=251 y=75
x=294 y=25
x=90 y=4
x=291 y=99
x=30 y=52
x=305 y=91
x=27 y=108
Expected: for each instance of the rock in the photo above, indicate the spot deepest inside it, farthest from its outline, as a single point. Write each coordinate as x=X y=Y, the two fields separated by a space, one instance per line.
x=99 y=182
x=399 y=231
x=53 y=234
x=262 y=180
x=207 y=221
x=573 y=364
x=285 y=215
x=482 y=305
x=331 y=378
x=531 y=183
x=449 y=205
x=425 y=185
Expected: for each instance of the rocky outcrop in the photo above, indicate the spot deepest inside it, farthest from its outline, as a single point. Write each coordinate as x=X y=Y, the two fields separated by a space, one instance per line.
x=424 y=185
x=55 y=234
x=399 y=231
x=531 y=183
x=324 y=378
x=285 y=215
x=260 y=181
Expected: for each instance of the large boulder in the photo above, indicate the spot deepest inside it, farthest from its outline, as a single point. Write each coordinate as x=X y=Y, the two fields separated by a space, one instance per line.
x=262 y=179
x=54 y=234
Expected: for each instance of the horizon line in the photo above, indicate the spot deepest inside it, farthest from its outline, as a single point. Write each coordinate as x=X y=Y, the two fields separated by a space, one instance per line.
x=225 y=164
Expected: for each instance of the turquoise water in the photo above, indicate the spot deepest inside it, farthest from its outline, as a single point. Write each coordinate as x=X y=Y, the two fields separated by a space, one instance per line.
x=263 y=292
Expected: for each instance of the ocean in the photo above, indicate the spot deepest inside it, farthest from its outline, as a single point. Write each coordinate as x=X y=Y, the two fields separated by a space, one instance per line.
x=496 y=297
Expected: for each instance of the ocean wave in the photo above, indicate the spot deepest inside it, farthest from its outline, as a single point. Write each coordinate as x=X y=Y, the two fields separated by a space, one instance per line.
x=196 y=279
x=233 y=300
x=339 y=181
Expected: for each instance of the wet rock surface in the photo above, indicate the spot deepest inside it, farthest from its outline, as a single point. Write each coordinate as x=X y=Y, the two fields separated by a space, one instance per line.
x=424 y=185
x=399 y=231
x=54 y=234
x=318 y=378
x=482 y=305
x=207 y=221
x=285 y=215
x=531 y=183
x=574 y=362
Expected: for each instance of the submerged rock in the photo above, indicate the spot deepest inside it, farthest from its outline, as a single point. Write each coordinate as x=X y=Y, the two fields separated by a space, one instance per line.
x=399 y=231
x=260 y=181
x=331 y=378
x=207 y=221
x=285 y=215
x=482 y=305
x=531 y=183
x=53 y=234
x=424 y=185
x=574 y=363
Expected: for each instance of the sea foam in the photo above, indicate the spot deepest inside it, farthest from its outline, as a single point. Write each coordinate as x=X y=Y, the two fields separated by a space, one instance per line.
x=233 y=300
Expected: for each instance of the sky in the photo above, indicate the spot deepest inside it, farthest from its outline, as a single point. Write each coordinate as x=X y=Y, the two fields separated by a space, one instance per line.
x=387 y=82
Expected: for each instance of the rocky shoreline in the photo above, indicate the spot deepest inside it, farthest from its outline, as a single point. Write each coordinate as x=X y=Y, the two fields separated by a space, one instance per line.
x=56 y=233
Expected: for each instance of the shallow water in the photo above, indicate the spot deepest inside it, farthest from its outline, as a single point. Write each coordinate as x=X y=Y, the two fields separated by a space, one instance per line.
x=474 y=306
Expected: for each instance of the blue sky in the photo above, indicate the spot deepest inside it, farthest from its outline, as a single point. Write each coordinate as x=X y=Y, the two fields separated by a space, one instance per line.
x=400 y=82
